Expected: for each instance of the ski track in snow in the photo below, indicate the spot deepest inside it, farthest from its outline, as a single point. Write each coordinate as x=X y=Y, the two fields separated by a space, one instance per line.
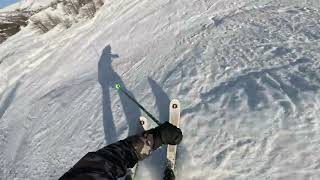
x=246 y=72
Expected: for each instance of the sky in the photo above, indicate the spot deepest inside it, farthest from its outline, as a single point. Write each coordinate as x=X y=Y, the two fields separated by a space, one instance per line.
x=4 y=3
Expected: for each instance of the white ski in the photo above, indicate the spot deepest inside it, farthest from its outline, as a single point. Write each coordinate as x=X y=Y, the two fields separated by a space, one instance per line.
x=132 y=172
x=174 y=119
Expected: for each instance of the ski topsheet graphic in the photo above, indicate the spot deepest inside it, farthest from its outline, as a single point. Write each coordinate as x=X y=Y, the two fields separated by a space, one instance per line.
x=144 y=122
x=174 y=110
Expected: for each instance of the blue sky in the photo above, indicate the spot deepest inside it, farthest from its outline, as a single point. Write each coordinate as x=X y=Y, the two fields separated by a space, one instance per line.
x=4 y=3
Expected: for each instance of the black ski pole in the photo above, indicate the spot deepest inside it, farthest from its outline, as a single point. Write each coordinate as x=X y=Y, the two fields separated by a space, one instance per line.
x=118 y=87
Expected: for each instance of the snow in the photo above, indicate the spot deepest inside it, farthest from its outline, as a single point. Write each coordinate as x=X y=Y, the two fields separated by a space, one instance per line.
x=246 y=72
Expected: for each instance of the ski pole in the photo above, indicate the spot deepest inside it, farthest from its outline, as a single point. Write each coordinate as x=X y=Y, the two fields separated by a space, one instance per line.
x=118 y=87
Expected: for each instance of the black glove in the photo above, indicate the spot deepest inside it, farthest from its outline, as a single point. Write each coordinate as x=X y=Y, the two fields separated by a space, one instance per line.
x=169 y=134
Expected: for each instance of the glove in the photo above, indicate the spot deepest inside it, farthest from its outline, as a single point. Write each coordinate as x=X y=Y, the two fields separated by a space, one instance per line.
x=168 y=133
x=152 y=139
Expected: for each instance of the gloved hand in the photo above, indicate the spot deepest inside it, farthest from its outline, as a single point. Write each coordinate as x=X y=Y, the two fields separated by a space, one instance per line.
x=152 y=139
x=168 y=133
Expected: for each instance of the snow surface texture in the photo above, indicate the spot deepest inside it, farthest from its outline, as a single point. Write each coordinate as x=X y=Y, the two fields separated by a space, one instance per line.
x=246 y=72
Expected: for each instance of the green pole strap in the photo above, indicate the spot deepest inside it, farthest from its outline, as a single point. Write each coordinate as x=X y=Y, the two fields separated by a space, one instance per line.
x=118 y=87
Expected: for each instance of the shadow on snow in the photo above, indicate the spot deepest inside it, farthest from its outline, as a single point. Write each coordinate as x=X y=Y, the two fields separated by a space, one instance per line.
x=108 y=78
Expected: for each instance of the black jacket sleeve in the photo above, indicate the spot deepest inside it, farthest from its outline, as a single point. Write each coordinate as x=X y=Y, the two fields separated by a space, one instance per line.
x=108 y=163
x=113 y=161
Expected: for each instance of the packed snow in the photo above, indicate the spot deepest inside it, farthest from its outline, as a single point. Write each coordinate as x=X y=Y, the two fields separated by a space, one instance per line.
x=247 y=73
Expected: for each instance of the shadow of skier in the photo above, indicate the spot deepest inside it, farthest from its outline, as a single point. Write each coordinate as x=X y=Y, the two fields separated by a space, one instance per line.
x=107 y=78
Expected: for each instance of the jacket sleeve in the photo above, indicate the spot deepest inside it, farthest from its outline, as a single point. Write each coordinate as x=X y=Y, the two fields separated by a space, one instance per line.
x=108 y=163
x=113 y=160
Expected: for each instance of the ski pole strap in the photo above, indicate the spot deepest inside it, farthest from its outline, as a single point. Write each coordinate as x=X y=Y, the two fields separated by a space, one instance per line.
x=118 y=87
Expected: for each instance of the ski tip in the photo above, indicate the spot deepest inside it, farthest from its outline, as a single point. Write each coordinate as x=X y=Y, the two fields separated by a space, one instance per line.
x=117 y=86
x=142 y=120
x=175 y=103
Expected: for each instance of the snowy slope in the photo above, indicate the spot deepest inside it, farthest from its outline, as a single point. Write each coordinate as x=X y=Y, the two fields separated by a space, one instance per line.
x=247 y=74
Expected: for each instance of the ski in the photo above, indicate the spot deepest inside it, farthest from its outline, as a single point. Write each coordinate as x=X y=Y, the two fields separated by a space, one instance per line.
x=174 y=110
x=132 y=172
x=174 y=118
